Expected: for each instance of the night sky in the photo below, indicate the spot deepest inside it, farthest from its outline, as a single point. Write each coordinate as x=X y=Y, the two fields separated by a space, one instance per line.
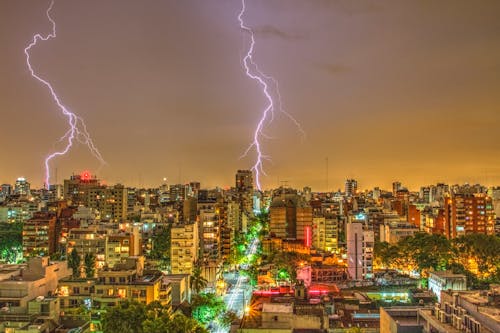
x=387 y=90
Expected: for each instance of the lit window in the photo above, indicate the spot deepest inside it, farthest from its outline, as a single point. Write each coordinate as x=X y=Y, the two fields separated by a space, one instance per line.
x=122 y=292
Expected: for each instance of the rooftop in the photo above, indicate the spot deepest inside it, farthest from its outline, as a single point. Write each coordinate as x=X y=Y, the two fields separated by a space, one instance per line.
x=447 y=274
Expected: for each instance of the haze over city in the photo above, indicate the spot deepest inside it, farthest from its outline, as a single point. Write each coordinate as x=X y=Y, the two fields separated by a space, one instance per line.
x=384 y=90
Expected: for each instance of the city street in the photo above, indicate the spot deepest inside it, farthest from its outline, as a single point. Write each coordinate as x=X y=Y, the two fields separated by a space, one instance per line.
x=240 y=292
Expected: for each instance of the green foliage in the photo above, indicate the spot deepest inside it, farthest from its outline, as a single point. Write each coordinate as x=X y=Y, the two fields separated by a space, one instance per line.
x=482 y=250
x=474 y=255
x=126 y=317
x=134 y=317
x=58 y=256
x=422 y=252
x=428 y=251
x=74 y=262
x=207 y=307
x=287 y=263
x=177 y=324
x=89 y=262
x=341 y=236
x=227 y=318
x=252 y=274
x=161 y=243
x=198 y=282
x=11 y=239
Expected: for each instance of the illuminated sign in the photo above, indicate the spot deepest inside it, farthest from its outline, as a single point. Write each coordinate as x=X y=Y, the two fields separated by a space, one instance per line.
x=308 y=236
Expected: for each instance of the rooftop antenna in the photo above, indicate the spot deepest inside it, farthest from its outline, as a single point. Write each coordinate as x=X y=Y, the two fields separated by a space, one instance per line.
x=327 y=186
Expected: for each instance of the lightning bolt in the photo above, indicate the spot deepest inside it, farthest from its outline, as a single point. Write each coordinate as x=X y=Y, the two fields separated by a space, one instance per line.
x=269 y=86
x=77 y=128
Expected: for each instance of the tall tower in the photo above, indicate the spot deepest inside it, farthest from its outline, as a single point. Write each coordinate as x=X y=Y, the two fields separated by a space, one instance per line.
x=22 y=187
x=396 y=186
x=360 y=242
x=244 y=180
x=351 y=187
x=244 y=189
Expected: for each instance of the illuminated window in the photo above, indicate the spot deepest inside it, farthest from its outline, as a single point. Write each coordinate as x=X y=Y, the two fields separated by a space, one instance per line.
x=122 y=292
x=64 y=291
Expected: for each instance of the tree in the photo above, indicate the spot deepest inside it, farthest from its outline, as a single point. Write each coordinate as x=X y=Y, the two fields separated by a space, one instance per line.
x=430 y=251
x=177 y=324
x=89 y=262
x=11 y=247
x=421 y=252
x=126 y=317
x=207 y=307
x=198 y=282
x=288 y=262
x=227 y=318
x=161 y=243
x=134 y=317
x=385 y=254
x=479 y=254
x=74 y=262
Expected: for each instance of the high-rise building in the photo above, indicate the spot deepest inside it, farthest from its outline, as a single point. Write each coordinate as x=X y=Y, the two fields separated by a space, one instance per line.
x=179 y=192
x=244 y=190
x=325 y=233
x=413 y=215
x=39 y=235
x=291 y=217
x=6 y=190
x=303 y=229
x=88 y=240
x=360 y=243
x=438 y=191
x=495 y=196
x=396 y=186
x=425 y=194
x=195 y=188
x=351 y=187
x=184 y=248
x=121 y=245
x=244 y=180
x=77 y=186
x=331 y=233
x=210 y=233
x=110 y=201
x=319 y=233
x=22 y=187
x=467 y=213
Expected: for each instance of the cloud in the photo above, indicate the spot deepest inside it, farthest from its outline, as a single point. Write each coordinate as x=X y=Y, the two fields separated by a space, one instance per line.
x=332 y=69
x=271 y=31
x=350 y=7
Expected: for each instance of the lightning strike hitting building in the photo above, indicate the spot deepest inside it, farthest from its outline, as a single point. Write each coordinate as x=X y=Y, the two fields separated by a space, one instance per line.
x=270 y=88
x=77 y=128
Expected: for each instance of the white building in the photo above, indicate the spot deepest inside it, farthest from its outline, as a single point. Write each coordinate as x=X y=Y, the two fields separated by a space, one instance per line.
x=446 y=280
x=360 y=244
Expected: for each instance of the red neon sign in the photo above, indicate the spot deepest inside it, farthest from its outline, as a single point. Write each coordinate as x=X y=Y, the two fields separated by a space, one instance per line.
x=308 y=236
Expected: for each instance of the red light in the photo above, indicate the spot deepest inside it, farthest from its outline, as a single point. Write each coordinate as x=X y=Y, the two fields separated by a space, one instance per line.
x=266 y=292
x=308 y=236
x=85 y=176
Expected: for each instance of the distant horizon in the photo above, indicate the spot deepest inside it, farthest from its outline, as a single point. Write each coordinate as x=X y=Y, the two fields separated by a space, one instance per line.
x=386 y=187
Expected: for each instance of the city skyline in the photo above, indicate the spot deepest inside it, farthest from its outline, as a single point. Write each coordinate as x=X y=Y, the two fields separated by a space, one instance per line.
x=385 y=91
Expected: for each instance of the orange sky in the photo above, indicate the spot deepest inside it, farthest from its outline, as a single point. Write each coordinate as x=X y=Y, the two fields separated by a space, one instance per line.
x=385 y=89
